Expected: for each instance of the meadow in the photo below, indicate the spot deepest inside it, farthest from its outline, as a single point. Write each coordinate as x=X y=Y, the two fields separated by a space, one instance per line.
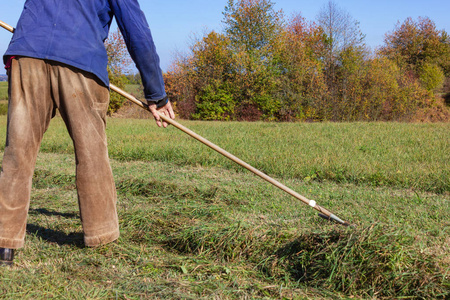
x=196 y=226
x=3 y=90
x=3 y=97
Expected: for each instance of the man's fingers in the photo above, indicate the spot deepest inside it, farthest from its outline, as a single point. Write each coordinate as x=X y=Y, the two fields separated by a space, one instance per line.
x=171 y=113
x=154 y=111
x=165 y=110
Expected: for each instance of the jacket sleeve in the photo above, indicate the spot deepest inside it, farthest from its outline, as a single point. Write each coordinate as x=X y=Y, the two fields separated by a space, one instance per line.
x=138 y=38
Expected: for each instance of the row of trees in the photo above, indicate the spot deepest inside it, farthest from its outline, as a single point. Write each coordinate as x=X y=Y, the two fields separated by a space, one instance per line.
x=264 y=66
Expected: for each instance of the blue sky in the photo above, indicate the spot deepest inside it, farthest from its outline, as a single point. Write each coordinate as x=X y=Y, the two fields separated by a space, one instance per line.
x=175 y=22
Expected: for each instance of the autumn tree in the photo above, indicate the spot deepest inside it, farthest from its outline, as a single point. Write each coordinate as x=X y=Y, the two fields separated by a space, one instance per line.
x=344 y=57
x=118 y=64
x=340 y=28
x=180 y=87
x=341 y=31
x=417 y=46
x=415 y=42
x=262 y=67
x=301 y=83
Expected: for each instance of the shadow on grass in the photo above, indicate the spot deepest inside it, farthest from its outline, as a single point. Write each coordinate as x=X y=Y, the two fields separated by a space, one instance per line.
x=56 y=236
x=47 y=212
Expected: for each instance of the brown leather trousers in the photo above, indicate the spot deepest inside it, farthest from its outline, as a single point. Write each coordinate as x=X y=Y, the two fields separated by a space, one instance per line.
x=36 y=89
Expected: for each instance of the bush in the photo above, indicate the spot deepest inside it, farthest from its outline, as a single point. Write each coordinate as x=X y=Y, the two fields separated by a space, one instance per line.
x=431 y=76
x=214 y=104
x=116 y=101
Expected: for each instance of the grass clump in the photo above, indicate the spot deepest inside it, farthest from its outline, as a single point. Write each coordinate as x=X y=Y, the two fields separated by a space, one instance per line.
x=228 y=243
x=379 y=261
x=147 y=188
x=3 y=107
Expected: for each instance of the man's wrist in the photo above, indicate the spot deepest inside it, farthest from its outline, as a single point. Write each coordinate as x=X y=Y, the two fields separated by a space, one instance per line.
x=159 y=103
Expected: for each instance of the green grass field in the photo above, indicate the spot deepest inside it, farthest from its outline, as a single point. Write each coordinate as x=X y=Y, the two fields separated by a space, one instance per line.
x=3 y=98
x=136 y=90
x=3 y=90
x=195 y=226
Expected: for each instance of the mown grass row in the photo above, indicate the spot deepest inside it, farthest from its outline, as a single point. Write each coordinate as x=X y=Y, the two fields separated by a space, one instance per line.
x=379 y=261
x=188 y=233
x=413 y=156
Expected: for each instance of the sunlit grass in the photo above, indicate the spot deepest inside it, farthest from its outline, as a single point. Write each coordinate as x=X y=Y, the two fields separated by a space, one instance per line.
x=194 y=226
x=402 y=155
x=3 y=90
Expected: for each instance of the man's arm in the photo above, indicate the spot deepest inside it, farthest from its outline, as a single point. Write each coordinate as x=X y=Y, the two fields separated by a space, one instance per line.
x=139 y=41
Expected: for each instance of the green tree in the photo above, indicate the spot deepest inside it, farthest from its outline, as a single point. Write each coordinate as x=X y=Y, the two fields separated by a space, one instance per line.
x=212 y=66
x=253 y=27
x=350 y=75
x=134 y=78
x=431 y=76
x=251 y=24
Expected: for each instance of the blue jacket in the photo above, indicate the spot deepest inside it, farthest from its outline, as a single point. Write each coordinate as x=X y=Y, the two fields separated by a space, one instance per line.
x=73 y=32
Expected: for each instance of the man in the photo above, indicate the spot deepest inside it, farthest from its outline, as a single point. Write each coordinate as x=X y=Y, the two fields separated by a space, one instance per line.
x=57 y=60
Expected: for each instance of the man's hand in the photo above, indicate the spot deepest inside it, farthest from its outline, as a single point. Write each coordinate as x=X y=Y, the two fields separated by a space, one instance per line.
x=165 y=110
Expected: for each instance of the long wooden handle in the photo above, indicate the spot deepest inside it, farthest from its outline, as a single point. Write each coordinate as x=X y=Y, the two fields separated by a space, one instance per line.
x=6 y=26
x=225 y=153
x=230 y=156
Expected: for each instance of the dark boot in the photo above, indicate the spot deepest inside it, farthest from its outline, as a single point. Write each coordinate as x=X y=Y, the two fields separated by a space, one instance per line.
x=6 y=256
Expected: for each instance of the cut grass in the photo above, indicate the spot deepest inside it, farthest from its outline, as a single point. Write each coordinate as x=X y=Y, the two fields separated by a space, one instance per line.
x=411 y=156
x=202 y=230
x=197 y=235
